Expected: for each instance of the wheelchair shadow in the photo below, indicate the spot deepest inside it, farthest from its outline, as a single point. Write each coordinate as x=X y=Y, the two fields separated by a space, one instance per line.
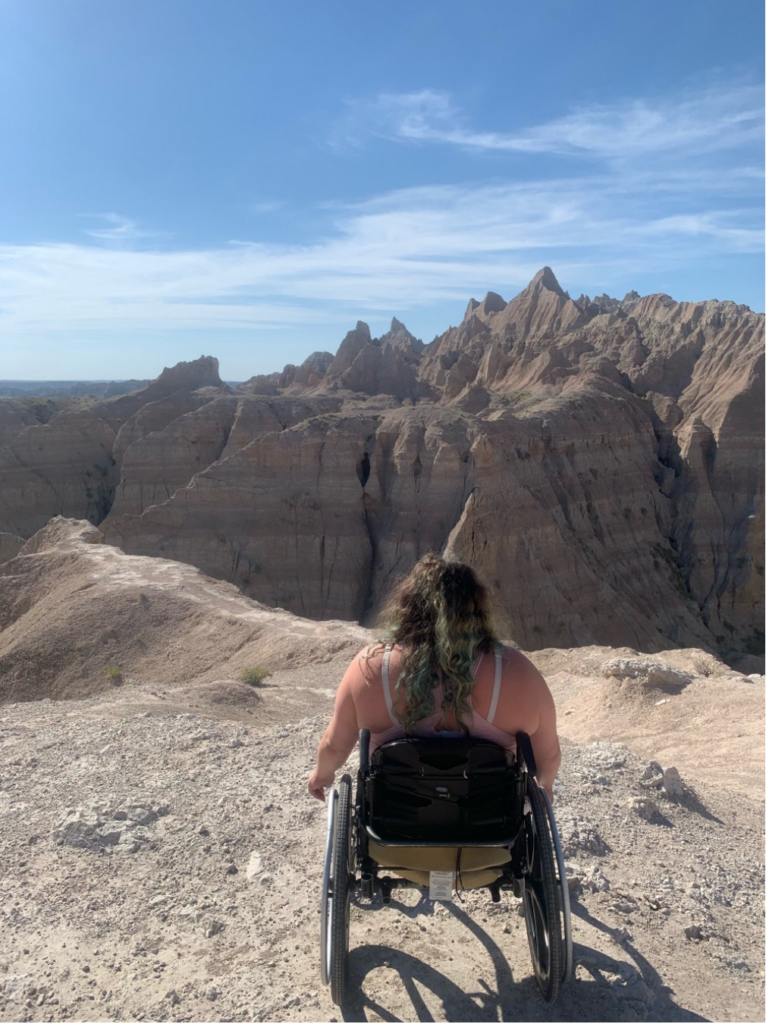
x=415 y=975
x=423 y=908
x=506 y=999
x=596 y=963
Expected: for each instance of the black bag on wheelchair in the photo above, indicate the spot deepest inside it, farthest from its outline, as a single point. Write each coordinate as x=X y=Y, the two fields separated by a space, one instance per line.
x=457 y=791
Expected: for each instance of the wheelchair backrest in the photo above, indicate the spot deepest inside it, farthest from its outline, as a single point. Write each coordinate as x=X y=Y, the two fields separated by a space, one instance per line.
x=451 y=791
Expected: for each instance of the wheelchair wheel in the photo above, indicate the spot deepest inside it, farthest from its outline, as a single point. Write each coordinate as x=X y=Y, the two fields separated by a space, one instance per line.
x=337 y=885
x=542 y=897
x=563 y=885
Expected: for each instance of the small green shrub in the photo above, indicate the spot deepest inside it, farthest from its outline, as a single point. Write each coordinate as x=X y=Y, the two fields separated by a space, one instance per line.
x=113 y=673
x=254 y=675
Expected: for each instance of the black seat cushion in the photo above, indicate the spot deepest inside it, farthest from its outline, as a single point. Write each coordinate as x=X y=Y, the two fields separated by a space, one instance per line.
x=443 y=791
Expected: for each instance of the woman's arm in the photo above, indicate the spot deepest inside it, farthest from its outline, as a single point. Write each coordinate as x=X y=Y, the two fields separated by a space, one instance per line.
x=545 y=740
x=339 y=737
x=526 y=703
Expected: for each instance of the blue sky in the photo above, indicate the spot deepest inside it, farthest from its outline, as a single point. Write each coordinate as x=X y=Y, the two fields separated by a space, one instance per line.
x=247 y=179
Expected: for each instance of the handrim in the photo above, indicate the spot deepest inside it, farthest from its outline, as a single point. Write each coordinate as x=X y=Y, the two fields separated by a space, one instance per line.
x=325 y=938
x=340 y=906
x=542 y=902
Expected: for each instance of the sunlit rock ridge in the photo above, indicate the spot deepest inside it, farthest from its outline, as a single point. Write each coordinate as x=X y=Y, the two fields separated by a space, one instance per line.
x=599 y=461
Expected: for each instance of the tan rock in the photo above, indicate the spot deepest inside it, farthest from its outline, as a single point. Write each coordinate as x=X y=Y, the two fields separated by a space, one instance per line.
x=282 y=517
x=68 y=460
x=600 y=462
x=64 y=467
x=17 y=414
x=156 y=465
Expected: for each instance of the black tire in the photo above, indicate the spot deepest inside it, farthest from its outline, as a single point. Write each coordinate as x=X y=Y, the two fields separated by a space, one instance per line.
x=342 y=881
x=542 y=902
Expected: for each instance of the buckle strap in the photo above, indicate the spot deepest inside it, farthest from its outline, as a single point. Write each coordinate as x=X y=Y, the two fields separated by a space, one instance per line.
x=496 y=686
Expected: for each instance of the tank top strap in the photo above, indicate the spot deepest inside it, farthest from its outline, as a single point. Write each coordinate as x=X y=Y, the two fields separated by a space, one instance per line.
x=387 y=686
x=496 y=685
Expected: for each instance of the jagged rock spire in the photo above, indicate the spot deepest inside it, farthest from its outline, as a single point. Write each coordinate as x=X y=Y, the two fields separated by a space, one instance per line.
x=545 y=278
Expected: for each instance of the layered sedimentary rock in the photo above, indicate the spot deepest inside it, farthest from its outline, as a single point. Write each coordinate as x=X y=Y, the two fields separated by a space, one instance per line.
x=64 y=467
x=598 y=461
x=559 y=512
x=160 y=461
x=15 y=415
x=68 y=463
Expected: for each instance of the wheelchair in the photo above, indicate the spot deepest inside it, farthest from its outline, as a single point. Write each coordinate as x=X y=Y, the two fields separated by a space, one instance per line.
x=460 y=813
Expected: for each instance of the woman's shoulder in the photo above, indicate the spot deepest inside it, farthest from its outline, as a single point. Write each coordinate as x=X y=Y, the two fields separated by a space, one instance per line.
x=373 y=651
x=524 y=693
x=518 y=665
x=365 y=683
x=369 y=661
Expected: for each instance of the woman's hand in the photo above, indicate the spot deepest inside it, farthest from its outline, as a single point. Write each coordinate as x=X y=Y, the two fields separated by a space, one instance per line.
x=339 y=737
x=319 y=783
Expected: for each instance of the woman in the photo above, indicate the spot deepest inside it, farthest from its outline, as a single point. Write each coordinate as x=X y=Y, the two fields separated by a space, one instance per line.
x=442 y=672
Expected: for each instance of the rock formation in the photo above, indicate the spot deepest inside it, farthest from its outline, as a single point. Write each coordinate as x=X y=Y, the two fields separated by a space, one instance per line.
x=599 y=461
x=67 y=460
x=374 y=366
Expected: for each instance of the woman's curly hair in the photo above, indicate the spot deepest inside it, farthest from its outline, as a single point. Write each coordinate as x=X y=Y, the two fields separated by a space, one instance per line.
x=440 y=615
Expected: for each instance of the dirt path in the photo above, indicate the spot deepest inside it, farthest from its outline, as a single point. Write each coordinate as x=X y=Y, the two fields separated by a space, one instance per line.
x=163 y=862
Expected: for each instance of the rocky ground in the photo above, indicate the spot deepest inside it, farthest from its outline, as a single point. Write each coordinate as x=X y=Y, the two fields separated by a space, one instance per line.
x=166 y=865
x=161 y=858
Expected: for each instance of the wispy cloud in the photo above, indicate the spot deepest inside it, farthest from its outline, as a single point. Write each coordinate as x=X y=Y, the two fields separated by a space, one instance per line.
x=270 y=206
x=398 y=251
x=718 y=118
x=418 y=247
x=117 y=228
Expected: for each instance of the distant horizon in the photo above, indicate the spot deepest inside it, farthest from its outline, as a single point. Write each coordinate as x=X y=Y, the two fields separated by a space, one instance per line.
x=351 y=324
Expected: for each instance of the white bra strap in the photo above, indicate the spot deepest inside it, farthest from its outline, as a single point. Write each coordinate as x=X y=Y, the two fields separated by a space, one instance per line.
x=496 y=686
x=387 y=686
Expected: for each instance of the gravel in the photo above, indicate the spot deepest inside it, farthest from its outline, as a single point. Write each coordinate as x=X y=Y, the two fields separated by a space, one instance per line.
x=167 y=866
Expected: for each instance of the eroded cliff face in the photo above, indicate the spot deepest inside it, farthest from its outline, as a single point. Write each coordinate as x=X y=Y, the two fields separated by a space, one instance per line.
x=599 y=462
x=67 y=460
x=697 y=371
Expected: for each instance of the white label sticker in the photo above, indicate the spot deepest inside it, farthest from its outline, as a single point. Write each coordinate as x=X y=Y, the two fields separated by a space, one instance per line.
x=441 y=885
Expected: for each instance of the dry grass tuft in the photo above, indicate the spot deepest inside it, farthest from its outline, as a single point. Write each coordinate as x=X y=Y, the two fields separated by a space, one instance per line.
x=706 y=665
x=254 y=675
